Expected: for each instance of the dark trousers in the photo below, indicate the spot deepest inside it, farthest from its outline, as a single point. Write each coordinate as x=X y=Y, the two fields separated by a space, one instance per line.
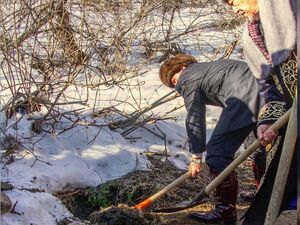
x=221 y=148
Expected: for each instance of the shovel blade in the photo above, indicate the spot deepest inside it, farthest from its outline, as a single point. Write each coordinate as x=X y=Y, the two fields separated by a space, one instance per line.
x=199 y=199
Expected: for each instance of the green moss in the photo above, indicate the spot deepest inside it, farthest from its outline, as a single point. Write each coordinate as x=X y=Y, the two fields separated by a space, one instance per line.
x=104 y=195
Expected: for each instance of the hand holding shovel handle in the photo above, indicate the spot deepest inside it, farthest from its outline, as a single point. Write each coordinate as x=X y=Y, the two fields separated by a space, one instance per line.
x=229 y=169
x=211 y=186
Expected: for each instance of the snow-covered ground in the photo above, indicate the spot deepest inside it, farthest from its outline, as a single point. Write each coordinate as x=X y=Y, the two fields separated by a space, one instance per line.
x=81 y=157
x=78 y=158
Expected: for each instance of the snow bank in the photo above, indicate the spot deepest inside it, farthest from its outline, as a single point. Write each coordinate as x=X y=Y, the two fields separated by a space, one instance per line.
x=77 y=158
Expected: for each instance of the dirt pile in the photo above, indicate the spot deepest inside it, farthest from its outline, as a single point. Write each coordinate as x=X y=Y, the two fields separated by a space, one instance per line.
x=123 y=215
x=139 y=185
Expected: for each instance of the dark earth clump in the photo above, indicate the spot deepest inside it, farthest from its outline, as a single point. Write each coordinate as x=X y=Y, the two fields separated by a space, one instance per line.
x=122 y=215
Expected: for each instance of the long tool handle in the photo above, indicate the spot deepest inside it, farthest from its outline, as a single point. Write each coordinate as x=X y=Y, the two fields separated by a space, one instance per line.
x=244 y=155
x=282 y=173
x=146 y=203
x=228 y=170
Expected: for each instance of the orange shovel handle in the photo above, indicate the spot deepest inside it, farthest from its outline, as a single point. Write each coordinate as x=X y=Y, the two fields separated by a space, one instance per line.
x=146 y=203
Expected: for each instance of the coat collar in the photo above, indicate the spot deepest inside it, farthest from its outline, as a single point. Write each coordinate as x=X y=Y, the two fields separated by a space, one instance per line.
x=279 y=26
x=183 y=78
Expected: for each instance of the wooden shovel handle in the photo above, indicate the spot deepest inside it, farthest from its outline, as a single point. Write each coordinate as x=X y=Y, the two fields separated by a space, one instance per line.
x=284 y=164
x=244 y=155
x=228 y=170
x=146 y=203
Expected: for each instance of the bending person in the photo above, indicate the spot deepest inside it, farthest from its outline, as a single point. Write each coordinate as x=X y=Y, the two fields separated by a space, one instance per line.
x=228 y=84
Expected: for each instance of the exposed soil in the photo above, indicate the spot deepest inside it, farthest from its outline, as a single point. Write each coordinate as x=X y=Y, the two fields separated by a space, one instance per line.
x=140 y=185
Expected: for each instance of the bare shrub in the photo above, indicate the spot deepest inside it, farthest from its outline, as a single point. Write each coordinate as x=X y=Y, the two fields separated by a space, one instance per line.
x=51 y=48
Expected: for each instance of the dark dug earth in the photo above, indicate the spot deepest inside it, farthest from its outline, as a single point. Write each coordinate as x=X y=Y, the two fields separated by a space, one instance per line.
x=137 y=186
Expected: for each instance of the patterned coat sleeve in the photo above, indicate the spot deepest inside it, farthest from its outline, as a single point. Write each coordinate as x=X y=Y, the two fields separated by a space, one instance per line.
x=273 y=97
x=278 y=90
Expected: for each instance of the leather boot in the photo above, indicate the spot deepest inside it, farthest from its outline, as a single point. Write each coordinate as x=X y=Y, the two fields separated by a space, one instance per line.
x=259 y=171
x=258 y=168
x=225 y=211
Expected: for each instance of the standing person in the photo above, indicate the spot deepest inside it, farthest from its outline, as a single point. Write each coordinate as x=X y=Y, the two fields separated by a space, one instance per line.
x=269 y=43
x=228 y=84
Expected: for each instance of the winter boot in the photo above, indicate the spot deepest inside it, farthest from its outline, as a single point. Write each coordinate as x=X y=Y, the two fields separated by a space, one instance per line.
x=258 y=168
x=225 y=211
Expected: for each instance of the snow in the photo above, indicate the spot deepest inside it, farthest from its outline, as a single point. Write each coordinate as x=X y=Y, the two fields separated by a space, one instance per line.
x=69 y=161
x=35 y=209
x=85 y=156
x=80 y=157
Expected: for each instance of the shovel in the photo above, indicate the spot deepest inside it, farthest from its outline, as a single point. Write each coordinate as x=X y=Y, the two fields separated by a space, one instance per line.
x=214 y=183
x=146 y=203
x=228 y=170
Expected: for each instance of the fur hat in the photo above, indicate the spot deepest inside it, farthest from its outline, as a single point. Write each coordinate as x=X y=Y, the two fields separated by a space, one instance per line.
x=172 y=66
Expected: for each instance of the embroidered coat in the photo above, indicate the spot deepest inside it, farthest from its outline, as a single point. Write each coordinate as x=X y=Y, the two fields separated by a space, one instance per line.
x=278 y=72
x=278 y=81
x=225 y=83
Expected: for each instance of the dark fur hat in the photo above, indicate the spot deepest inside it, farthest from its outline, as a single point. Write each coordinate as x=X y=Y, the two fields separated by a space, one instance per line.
x=172 y=66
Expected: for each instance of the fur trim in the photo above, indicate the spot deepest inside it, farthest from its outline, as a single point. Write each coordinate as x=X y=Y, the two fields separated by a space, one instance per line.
x=279 y=26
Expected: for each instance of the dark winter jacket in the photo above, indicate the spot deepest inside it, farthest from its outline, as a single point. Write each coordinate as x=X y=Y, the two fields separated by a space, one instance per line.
x=225 y=83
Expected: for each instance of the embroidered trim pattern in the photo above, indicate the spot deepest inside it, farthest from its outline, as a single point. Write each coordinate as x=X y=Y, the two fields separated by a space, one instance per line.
x=271 y=111
x=257 y=35
x=270 y=156
x=288 y=72
x=277 y=83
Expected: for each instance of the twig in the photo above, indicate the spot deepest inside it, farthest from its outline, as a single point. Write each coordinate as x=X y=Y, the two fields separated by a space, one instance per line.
x=13 y=209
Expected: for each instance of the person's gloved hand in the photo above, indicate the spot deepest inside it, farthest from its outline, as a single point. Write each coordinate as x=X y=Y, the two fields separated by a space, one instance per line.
x=266 y=137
